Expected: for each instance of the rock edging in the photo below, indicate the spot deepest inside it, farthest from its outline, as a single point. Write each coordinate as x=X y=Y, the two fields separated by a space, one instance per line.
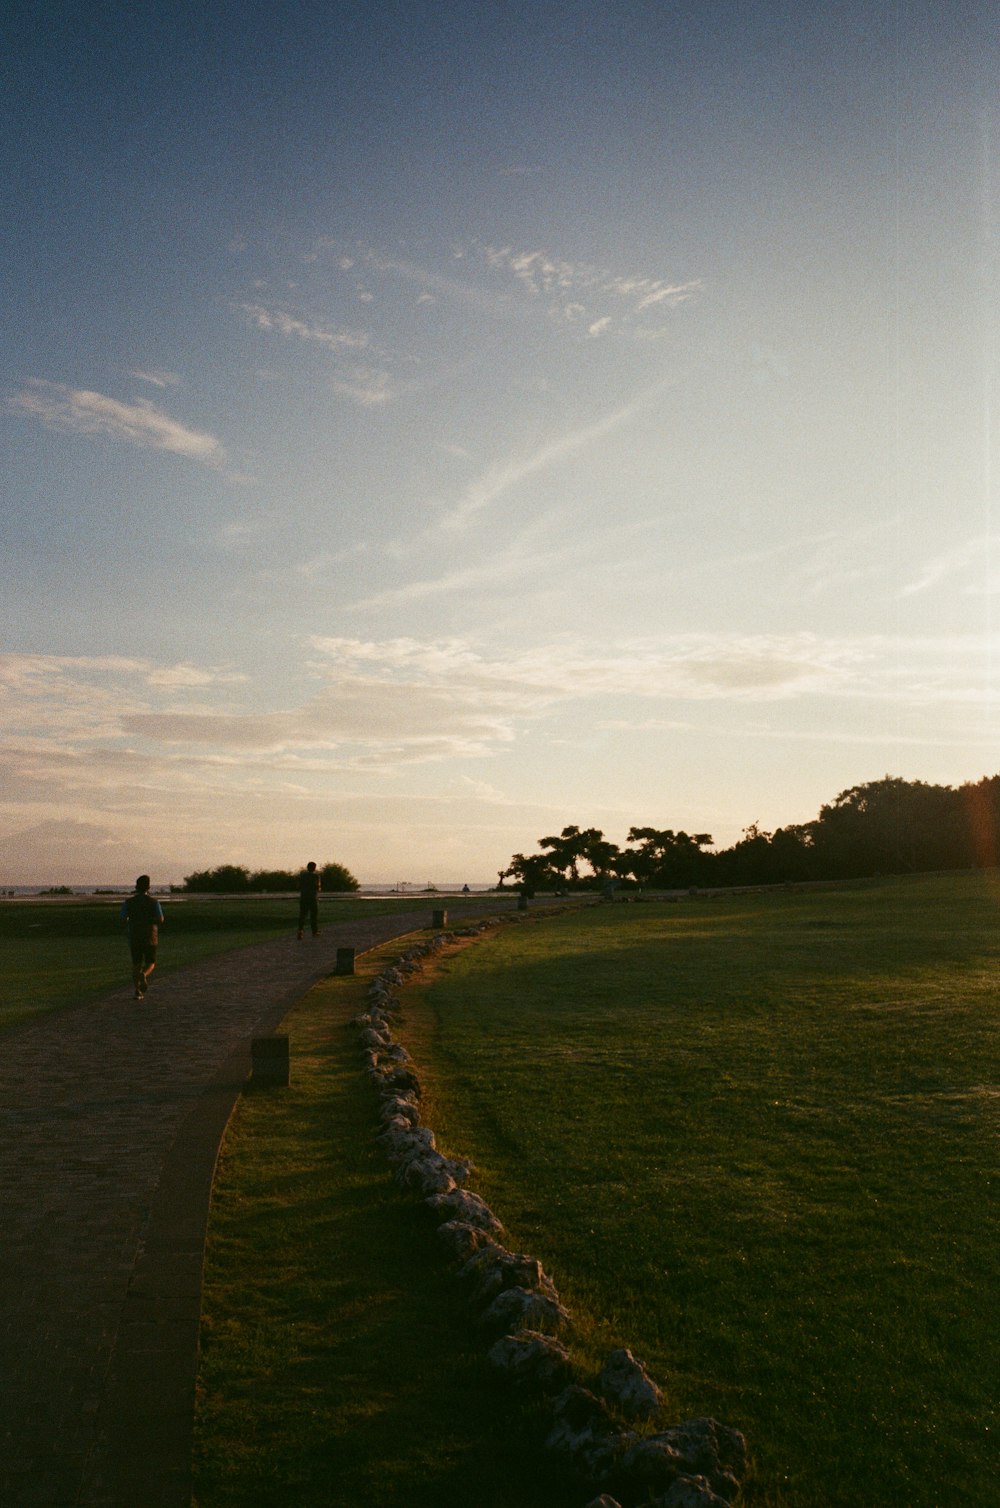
x=518 y=1311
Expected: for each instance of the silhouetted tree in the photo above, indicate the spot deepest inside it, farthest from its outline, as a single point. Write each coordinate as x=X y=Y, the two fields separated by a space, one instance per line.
x=533 y=872
x=230 y=879
x=273 y=881
x=668 y=859
x=234 y=879
x=565 y=852
x=892 y=826
x=576 y=845
x=603 y=857
x=761 y=858
x=887 y=826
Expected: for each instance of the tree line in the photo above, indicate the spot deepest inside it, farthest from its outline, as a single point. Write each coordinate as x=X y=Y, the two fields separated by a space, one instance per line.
x=888 y=826
x=234 y=879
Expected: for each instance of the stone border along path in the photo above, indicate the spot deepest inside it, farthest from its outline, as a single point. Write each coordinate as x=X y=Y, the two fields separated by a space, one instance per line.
x=112 y=1116
x=515 y=1306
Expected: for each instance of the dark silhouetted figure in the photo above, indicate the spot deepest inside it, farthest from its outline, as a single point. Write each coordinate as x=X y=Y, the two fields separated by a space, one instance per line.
x=143 y=916
x=309 y=888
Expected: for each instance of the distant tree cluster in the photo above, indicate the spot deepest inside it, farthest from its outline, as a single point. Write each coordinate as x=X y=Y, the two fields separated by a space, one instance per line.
x=233 y=879
x=888 y=826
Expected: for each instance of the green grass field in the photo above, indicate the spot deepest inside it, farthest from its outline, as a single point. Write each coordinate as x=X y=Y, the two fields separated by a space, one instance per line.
x=56 y=952
x=753 y=1138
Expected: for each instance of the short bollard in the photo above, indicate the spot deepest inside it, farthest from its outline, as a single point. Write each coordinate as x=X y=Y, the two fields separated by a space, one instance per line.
x=439 y=919
x=269 y=1059
x=345 y=961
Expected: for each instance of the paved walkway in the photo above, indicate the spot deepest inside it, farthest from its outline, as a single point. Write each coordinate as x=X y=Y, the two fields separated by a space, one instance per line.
x=111 y=1116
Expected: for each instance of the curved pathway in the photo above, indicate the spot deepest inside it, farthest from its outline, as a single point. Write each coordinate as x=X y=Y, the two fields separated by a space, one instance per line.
x=112 y=1115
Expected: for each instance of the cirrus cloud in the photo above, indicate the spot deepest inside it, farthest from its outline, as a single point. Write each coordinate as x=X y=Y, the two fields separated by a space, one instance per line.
x=582 y=291
x=83 y=412
x=281 y=323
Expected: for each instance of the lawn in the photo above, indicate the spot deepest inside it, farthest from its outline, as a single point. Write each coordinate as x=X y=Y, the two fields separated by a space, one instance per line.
x=752 y=1137
x=56 y=952
x=755 y=1139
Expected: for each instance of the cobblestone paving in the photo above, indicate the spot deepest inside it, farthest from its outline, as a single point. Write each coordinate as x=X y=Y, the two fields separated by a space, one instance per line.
x=110 y=1117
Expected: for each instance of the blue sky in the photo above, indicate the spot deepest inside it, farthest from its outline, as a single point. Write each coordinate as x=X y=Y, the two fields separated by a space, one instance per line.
x=425 y=426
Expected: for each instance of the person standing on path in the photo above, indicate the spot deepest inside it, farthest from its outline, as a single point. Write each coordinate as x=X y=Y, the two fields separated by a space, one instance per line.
x=309 y=888
x=143 y=917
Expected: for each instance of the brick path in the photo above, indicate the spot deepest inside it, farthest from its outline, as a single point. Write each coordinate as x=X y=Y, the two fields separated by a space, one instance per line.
x=110 y=1119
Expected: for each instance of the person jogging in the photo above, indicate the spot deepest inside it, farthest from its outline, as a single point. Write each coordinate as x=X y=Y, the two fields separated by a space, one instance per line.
x=143 y=917
x=309 y=888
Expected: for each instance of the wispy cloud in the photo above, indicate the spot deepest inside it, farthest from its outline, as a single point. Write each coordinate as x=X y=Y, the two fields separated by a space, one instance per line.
x=455 y=289
x=581 y=292
x=79 y=411
x=383 y=703
x=365 y=383
x=157 y=378
x=490 y=575
x=573 y=292
x=503 y=477
x=282 y=323
x=192 y=675
x=100 y=737
x=701 y=667
x=369 y=387
x=976 y=562
x=238 y=533
x=397 y=720
x=547 y=547
x=85 y=694
x=312 y=567
x=826 y=734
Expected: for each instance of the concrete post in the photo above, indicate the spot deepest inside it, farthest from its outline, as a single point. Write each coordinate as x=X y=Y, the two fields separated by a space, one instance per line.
x=345 y=961
x=269 y=1057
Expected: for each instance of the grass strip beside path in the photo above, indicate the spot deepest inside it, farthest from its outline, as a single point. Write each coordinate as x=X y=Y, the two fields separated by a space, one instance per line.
x=338 y=1365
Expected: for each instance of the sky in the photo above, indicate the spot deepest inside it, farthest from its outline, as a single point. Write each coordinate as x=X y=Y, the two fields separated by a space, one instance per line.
x=427 y=425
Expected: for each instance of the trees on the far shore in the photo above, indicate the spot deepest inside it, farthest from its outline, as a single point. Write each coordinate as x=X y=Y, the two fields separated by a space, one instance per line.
x=887 y=826
x=234 y=879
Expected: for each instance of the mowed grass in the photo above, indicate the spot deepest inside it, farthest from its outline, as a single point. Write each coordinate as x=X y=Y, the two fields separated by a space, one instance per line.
x=56 y=952
x=338 y=1367
x=755 y=1139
